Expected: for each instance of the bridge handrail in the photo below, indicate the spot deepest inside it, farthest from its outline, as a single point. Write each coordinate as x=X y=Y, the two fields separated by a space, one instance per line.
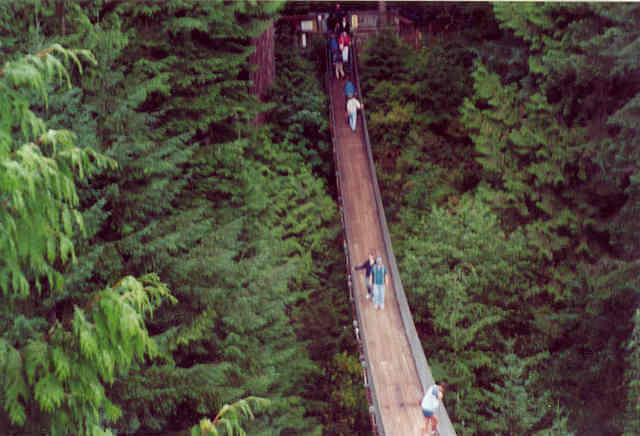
x=424 y=372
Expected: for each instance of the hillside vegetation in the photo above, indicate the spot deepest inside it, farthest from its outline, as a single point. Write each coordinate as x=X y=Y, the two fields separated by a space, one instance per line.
x=162 y=256
x=507 y=151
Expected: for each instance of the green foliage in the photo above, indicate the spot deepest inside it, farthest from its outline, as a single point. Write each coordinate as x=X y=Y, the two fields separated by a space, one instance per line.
x=545 y=145
x=531 y=161
x=37 y=183
x=523 y=404
x=207 y=93
x=582 y=58
x=428 y=85
x=600 y=314
x=575 y=182
x=632 y=378
x=53 y=379
x=235 y=221
x=299 y=114
x=229 y=418
x=412 y=102
x=61 y=375
x=345 y=374
x=173 y=207
x=384 y=72
x=468 y=282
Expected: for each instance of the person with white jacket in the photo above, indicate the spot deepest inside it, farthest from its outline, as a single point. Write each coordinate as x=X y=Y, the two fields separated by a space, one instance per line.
x=429 y=404
x=352 y=111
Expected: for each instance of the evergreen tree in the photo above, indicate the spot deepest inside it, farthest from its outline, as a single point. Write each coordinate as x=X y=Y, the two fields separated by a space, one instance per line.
x=54 y=370
x=632 y=376
x=468 y=282
x=412 y=103
x=579 y=57
x=524 y=405
x=531 y=161
x=235 y=221
x=40 y=197
x=229 y=418
x=552 y=120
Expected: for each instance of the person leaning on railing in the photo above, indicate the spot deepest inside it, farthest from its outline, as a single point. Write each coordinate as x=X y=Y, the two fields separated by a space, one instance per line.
x=430 y=402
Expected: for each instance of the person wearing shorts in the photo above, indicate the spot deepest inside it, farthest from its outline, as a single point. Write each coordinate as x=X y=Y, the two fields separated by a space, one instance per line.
x=429 y=404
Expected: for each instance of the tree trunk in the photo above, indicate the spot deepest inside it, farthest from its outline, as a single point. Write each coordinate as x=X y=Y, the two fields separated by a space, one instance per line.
x=60 y=14
x=263 y=59
x=382 y=14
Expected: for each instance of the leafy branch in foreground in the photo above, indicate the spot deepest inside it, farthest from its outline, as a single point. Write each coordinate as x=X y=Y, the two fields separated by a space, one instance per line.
x=37 y=188
x=61 y=375
x=230 y=417
x=56 y=359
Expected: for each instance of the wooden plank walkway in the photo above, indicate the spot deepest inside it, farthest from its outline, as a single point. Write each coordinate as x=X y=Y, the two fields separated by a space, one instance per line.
x=397 y=387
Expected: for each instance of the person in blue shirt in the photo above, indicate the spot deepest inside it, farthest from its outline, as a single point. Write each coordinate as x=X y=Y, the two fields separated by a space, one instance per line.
x=379 y=278
x=333 y=46
x=350 y=91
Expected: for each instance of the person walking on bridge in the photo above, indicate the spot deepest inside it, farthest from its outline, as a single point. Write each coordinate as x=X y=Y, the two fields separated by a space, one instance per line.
x=429 y=404
x=344 y=25
x=352 y=111
x=350 y=91
x=379 y=278
x=336 y=17
x=344 y=43
x=367 y=266
x=339 y=65
x=333 y=46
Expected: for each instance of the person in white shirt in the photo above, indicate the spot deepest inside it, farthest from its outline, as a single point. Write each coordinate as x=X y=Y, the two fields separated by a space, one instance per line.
x=352 y=111
x=429 y=404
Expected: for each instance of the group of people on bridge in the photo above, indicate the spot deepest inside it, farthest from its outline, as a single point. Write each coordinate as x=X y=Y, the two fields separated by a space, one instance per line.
x=339 y=48
x=340 y=53
x=377 y=279
x=376 y=274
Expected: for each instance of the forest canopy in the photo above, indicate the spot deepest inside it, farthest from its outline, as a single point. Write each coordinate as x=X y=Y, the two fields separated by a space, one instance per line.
x=168 y=265
x=161 y=255
x=507 y=150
